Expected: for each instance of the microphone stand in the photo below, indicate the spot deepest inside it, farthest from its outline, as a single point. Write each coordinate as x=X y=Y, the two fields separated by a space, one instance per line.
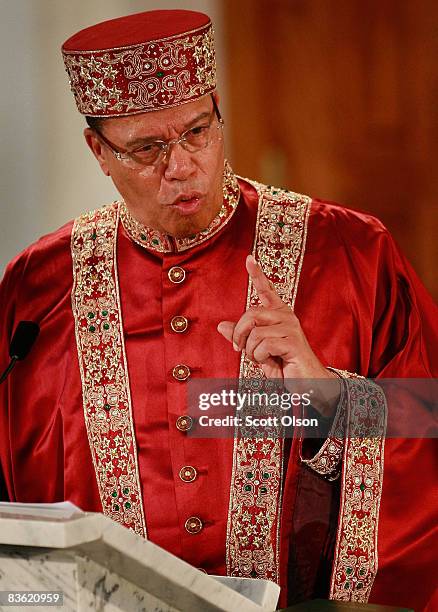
x=9 y=369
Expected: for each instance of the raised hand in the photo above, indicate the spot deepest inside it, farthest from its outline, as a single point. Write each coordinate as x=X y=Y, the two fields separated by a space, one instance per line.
x=271 y=335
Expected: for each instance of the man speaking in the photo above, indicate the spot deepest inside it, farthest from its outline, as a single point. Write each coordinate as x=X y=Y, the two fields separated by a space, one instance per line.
x=198 y=273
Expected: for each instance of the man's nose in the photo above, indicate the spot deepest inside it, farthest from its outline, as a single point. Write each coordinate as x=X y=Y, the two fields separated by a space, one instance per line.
x=178 y=162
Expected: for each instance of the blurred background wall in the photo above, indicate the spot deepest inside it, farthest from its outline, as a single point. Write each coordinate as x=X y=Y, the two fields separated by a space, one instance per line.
x=338 y=100
x=334 y=99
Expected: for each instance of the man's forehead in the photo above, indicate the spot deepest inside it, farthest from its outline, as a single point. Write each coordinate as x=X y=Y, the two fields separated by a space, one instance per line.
x=157 y=123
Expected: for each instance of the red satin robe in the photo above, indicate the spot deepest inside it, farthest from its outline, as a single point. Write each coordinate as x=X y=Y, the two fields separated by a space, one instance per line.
x=362 y=309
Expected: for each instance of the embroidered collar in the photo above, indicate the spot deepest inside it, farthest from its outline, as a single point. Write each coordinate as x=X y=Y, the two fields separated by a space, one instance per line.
x=163 y=243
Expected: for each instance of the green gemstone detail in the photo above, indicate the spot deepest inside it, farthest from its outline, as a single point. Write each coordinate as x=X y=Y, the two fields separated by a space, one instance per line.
x=263 y=490
x=107 y=407
x=91 y=315
x=116 y=507
x=126 y=490
x=104 y=313
x=362 y=572
x=160 y=73
x=362 y=487
x=349 y=570
x=280 y=224
x=247 y=488
x=362 y=401
x=106 y=326
x=249 y=475
x=266 y=475
x=143 y=236
x=127 y=505
x=347 y=585
x=359 y=585
x=155 y=241
x=92 y=328
x=93 y=236
x=373 y=403
x=114 y=493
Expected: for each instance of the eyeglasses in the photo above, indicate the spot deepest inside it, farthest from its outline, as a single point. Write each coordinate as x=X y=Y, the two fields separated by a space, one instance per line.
x=153 y=153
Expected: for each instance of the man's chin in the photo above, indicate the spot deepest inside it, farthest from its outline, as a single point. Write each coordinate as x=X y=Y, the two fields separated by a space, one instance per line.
x=187 y=229
x=188 y=225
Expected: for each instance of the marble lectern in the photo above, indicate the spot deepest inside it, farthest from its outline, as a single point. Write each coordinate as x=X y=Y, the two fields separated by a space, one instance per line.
x=99 y=565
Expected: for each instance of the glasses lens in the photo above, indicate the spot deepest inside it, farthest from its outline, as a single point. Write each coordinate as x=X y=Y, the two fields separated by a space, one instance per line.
x=197 y=138
x=148 y=154
x=193 y=140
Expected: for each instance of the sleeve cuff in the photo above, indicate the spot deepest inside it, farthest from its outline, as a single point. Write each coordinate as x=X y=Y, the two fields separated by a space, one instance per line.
x=327 y=461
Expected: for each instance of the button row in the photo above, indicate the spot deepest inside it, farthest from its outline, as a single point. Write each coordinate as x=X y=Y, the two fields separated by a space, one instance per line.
x=179 y=324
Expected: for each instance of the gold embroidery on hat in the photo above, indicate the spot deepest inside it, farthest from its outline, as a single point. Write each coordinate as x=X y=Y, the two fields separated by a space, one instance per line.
x=149 y=76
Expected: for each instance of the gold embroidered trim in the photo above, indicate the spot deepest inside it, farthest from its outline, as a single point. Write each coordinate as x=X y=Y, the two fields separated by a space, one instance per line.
x=356 y=557
x=162 y=243
x=253 y=543
x=144 y=77
x=327 y=460
x=103 y=367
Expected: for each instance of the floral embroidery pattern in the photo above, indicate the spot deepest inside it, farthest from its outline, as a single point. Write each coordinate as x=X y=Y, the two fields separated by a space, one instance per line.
x=148 y=76
x=356 y=560
x=104 y=374
x=253 y=545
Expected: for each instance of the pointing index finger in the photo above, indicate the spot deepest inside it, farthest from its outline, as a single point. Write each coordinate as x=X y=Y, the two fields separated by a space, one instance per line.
x=267 y=294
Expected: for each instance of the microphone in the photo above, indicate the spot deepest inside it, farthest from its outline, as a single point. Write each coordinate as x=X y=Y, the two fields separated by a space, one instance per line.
x=22 y=341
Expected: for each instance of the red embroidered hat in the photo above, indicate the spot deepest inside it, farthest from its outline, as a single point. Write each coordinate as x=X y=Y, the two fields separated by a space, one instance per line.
x=141 y=62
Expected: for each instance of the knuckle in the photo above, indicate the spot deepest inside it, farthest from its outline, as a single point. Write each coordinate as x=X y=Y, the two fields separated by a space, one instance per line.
x=256 y=334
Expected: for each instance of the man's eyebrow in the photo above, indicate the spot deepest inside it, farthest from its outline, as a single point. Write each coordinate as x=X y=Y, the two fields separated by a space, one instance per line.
x=141 y=140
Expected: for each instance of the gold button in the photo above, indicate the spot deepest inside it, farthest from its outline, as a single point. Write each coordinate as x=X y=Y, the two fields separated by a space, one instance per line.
x=184 y=423
x=188 y=473
x=179 y=324
x=193 y=524
x=181 y=372
x=176 y=274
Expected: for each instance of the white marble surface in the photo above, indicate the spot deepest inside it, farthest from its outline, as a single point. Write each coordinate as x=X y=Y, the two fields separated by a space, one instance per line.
x=262 y=592
x=117 y=569
x=84 y=584
x=26 y=569
x=26 y=531
x=100 y=589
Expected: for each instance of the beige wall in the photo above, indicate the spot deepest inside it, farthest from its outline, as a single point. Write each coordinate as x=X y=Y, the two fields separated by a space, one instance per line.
x=47 y=174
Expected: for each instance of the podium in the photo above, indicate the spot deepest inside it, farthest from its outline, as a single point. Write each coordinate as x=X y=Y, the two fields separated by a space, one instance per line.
x=96 y=564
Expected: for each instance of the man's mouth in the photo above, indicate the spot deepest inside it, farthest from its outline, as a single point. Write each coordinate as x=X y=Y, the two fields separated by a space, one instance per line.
x=188 y=204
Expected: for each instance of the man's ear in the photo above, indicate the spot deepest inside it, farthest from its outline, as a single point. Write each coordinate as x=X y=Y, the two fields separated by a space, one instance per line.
x=96 y=147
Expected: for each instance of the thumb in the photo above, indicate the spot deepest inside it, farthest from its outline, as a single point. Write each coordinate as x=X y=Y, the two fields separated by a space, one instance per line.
x=226 y=328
